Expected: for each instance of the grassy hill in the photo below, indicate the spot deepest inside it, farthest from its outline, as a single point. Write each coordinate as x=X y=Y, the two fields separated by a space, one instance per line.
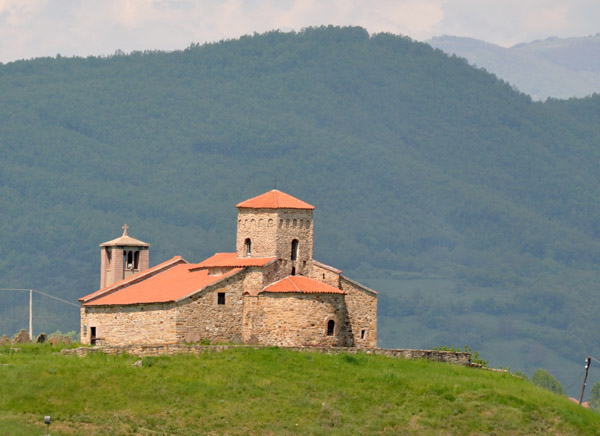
x=420 y=166
x=272 y=391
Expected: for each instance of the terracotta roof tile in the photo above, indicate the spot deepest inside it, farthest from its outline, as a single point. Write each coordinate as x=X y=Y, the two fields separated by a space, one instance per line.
x=274 y=200
x=231 y=260
x=302 y=285
x=170 y=285
x=167 y=264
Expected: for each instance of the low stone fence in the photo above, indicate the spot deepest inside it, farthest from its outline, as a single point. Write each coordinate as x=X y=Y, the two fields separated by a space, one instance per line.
x=454 y=357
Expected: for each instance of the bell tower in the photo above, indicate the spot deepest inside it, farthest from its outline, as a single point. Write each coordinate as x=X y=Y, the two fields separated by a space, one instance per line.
x=121 y=258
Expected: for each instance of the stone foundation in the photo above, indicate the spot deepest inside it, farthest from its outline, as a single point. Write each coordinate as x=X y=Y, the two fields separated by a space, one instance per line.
x=453 y=357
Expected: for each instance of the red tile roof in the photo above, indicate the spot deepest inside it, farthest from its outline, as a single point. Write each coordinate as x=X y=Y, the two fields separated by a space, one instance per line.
x=302 y=285
x=275 y=200
x=170 y=285
x=231 y=260
x=139 y=276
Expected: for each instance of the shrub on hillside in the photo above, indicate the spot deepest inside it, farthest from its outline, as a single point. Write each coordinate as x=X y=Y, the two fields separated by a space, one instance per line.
x=544 y=379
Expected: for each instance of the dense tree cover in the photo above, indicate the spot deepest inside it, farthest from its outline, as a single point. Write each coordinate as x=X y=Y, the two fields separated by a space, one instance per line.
x=544 y=379
x=418 y=164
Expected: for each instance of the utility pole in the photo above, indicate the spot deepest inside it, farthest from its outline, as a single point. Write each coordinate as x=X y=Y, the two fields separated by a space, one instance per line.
x=31 y=315
x=587 y=367
x=31 y=291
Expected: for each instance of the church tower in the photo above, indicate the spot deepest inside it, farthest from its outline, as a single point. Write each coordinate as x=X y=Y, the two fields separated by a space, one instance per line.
x=121 y=258
x=275 y=224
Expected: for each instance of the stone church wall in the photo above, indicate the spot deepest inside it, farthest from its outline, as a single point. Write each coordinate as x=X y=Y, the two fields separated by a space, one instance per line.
x=362 y=309
x=291 y=319
x=261 y=227
x=295 y=224
x=272 y=232
x=139 y=323
x=324 y=275
x=201 y=317
x=256 y=278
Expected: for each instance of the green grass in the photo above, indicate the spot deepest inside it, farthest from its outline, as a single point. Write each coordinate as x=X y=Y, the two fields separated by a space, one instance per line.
x=271 y=391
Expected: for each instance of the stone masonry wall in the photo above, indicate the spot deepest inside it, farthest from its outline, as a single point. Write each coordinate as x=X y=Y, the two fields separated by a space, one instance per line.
x=111 y=270
x=120 y=325
x=272 y=232
x=103 y=266
x=261 y=227
x=201 y=317
x=362 y=309
x=295 y=224
x=256 y=278
x=324 y=275
x=296 y=320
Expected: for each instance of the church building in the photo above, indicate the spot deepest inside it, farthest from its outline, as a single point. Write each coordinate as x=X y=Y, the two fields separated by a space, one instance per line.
x=269 y=291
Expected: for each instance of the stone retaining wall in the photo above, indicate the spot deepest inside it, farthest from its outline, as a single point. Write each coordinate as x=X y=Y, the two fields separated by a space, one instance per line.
x=453 y=357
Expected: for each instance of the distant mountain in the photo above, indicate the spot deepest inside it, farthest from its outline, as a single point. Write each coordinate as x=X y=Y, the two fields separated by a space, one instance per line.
x=480 y=207
x=554 y=67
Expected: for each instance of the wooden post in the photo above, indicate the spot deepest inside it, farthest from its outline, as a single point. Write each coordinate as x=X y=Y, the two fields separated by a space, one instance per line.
x=587 y=367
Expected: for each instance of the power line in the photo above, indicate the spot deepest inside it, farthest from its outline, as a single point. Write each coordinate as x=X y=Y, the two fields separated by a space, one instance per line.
x=41 y=293
x=594 y=359
x=576 y=380
x=56 y=298
x=31 y=291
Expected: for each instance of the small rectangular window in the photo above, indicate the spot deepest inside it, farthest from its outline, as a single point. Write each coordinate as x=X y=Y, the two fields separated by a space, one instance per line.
x=221 y=298
x=362 y=334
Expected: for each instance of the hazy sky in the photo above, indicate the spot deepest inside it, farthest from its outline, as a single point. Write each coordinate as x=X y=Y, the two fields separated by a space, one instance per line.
x=34 y=28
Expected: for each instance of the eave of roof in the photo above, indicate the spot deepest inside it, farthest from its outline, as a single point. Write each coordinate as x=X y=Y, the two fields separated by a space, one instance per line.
x=365 y=288
x=274 y=199
x=231 y=260
x=328 y=267
x=125 y=240
x=301 y=285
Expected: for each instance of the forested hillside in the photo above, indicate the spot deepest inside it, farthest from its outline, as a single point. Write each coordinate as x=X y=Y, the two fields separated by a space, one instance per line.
x=480 y=207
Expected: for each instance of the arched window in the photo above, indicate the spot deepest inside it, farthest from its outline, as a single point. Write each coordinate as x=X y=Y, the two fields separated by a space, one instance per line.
x=248 y=246
x=330 y=327
x=136 y=260
x=127 y=259
x=294 y=249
